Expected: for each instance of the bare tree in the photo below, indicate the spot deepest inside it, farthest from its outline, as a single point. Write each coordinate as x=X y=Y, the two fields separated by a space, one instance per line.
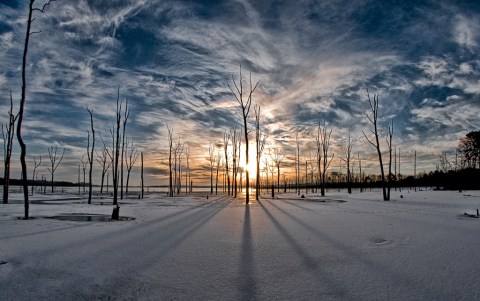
x=23 y=147
x=245 y=105
x=235 y=159
x=131 y=154
x=125 y=119
x=297 y=164
x=54 y=160
x=187 y=171
x=170 y=172
x=260 y=145
x=373 y=120
x=325 y=135
x=84 y=168
x=211 y=160
x=102 y=159
x=389 y=143
x=226 y=139
x=116 y=154
x=348 y=161
x=8 y=134
x=219 y=159
x=178 y=153
x=90 y=156
x=35 y=166
x=141 y=172
x=277 y=158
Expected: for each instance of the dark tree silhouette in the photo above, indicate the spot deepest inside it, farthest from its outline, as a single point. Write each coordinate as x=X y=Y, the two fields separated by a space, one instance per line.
x=35 y=166
x=348 y=161
x=141 y=172
x=102 y=159
x=84 y=168
x=226 y=139
x=90 y=156
x=170 y=143
x=277 y=158
x=469 y=149
x=260 y=145
x=325 y=135
x=116 y=153
x=130 y=158
x=211 y=160
x=8 y=134
x=23 y=147
x=373 y=120
x=125 y=119
x=245 y=105
x=54 y=160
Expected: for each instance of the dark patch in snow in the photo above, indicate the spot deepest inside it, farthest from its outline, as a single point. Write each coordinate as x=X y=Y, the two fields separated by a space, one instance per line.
x=81 y=217
x=378 y=240
x=2 y=262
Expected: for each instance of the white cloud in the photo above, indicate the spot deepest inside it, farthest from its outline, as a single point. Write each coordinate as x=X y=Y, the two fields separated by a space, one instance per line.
x=466 y=31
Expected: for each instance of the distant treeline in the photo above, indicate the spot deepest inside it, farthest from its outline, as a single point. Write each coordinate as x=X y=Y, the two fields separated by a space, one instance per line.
x=16 y=182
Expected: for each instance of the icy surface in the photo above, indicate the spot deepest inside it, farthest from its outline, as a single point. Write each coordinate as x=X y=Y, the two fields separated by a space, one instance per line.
x=340 y=247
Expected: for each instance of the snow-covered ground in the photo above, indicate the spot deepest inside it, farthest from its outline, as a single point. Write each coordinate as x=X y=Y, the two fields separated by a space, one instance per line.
x=340 y=247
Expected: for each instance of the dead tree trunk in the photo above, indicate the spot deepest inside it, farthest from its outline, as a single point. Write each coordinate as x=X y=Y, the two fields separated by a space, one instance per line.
x=7 y=148
x=23 y=147
x=211 y=159
x=102 y=159
x=325 y=141
x=348 y=159
x=90 y=156
x=170 y=143
x=125 y=118
x=260 y=144
x=35 y=166
x=226 y=138
x=141 y=172
x=373 y=120
x=245 y=105
x=131 y=159
x=54 y=160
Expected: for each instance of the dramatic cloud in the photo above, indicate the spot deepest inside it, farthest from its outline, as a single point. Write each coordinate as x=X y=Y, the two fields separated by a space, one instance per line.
x=173 y=60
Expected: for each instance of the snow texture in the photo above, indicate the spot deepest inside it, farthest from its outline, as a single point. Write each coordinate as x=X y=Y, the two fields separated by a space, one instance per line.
x=340 y=247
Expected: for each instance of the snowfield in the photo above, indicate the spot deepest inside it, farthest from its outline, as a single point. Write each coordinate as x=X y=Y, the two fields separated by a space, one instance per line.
x=339 y=247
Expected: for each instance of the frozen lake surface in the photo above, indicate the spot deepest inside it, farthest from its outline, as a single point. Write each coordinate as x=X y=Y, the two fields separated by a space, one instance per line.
x=340 y=247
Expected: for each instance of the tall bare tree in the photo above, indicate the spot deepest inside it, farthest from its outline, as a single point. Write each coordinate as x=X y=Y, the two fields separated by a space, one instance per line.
x=325 y=135
x=219 y=159
x=226 y=139
x=277 y=159
x=54 y=160
x=348 y=161
x=260 y=145
x=141 y=172
x=35 y=166
x=8 y=134
x=103 y=160
x=170 y=172
x=211 y=160
x=389 y=143
x=23 y=147
x=84 y=168
x=297 y=164
x=116 y=153
x=124 y=127
x=373 y=118
x=245 y=105
x=90 y=156
x=131 y=156
x=235 y=137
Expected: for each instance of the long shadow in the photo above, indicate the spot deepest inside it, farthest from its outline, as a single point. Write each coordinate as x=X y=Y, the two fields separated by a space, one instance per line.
x=247 y=286
x=115 y=240
x=310 y=263
x=400 y=279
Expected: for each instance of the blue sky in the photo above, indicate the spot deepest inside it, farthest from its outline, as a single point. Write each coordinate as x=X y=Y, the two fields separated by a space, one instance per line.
x=315 y=60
